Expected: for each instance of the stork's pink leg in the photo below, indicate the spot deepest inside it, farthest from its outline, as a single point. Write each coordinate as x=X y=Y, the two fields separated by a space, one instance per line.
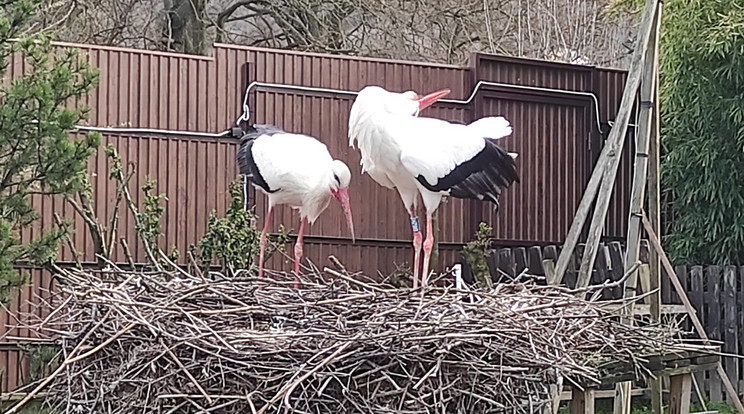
x=428 y=244
x=262 y=243
x=298 y=250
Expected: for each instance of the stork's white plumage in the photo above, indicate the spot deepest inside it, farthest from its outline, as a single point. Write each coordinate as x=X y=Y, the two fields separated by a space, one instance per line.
x=428 y=157
x=296 y=170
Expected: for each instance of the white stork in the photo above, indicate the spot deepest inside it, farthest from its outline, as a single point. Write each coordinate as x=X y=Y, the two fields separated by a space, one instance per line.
x=296 y=170
x=428 y=156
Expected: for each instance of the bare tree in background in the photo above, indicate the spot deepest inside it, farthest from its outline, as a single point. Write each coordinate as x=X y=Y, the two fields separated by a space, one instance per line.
x=576 y=31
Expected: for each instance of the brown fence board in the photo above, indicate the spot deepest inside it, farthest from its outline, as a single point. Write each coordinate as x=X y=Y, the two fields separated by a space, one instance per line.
x=730 y=332
x=712 y=286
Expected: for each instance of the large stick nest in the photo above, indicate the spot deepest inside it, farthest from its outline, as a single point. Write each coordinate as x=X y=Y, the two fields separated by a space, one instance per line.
x=134 y=343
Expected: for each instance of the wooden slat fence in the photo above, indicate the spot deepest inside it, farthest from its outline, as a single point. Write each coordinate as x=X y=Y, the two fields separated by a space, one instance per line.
x=716 y=292
x=506 y=263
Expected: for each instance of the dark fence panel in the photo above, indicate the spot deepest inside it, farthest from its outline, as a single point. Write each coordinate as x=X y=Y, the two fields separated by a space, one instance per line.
x=717 y=293
x=599 y=92
x=551 y=139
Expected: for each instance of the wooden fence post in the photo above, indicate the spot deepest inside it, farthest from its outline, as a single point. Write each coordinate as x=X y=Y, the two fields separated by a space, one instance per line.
x=730 y=390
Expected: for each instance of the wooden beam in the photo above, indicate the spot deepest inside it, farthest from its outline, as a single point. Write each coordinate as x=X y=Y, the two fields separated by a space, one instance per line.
x=637 y=194
x=643 y=277
x=654 y=198
x=582 y=401
x=609 y=157
x=730 y=390
x=680 y=387
x=601 y=394
x=640 y=167
x=645 y=309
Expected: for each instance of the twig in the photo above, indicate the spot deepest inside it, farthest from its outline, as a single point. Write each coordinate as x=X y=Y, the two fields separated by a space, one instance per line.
x=59 y=369
x=70 y=243
x=127 y=253
x=186 y=371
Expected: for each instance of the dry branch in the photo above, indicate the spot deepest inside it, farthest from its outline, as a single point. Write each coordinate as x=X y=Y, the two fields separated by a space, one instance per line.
x=245 y=344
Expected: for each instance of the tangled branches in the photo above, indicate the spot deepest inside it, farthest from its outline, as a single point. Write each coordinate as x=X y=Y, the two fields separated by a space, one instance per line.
x=133 y=342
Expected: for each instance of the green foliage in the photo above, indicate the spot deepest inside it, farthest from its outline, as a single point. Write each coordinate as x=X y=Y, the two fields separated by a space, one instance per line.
x=402 y=277
x=37 y=156
x=702 y=93
x=619 y=8
x=148 y=222
x=35 y=406
x=233 y=241
x=636 y=407
x=41 y=360
x=475 y=253
x=721 y=407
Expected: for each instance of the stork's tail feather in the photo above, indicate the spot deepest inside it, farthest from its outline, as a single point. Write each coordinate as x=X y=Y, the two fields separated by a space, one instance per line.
x=246 y=163
x=494 y=127
x=493 y=170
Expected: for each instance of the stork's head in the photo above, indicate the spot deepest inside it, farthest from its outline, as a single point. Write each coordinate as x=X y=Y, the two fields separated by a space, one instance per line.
x=408 y=103
x=340 y=190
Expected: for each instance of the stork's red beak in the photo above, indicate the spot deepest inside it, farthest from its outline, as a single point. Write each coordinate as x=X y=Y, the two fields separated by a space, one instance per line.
x=429 y=99
x=342 y=195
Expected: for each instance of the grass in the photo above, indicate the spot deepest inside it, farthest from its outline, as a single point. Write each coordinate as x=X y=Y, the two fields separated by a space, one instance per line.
x=35 y=406
x=644 y=407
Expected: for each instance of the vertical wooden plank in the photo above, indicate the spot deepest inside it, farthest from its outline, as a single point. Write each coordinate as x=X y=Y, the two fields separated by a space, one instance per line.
x=506 y=264
x=644 y=277
x=740 y=322
x=551 y=252
x=712 y=283
x=520 y=260
x=492 y=261
x=4 y=375
x=617 y=267
x=12 y=369
x=550 y=255
x=680 y=387
x=573 y=266
x=695 y=293
x=535 y=261
x=668 y=294
x=602 y=265
x=729 y=328
x=582 y=402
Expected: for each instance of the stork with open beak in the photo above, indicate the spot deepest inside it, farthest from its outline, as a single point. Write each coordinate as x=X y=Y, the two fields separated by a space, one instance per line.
x=428 y=157
x=296 y=170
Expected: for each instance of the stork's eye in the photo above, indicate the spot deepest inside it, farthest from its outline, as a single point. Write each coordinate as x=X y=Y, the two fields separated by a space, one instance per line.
x=335 y=177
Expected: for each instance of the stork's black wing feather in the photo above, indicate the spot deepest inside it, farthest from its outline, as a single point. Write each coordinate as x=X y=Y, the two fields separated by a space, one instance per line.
x=246 y=162
x=481 y=177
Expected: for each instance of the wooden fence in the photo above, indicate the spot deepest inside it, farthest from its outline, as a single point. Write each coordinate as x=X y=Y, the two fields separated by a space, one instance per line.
x=716 y=292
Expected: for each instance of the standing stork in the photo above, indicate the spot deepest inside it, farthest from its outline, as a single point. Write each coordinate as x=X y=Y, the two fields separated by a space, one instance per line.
x=428 y=157
x=296 y=170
